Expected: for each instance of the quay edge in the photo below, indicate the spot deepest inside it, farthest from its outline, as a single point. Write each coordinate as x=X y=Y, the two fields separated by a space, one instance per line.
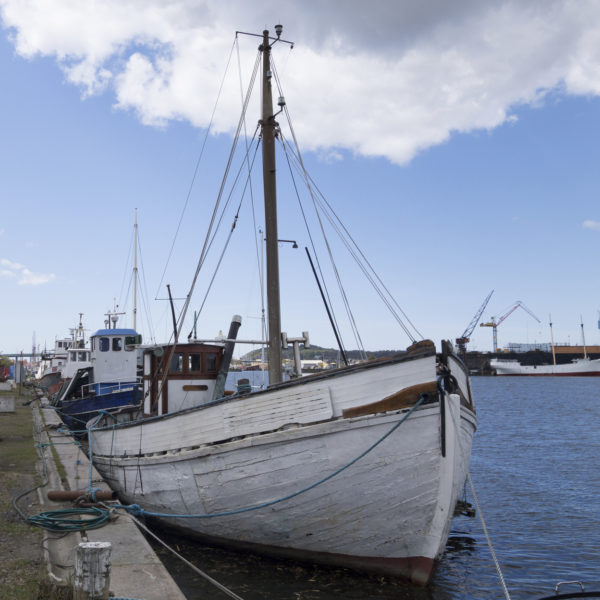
x=136 y=570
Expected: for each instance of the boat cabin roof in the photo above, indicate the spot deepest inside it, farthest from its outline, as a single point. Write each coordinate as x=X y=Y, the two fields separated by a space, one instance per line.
x=115 y=332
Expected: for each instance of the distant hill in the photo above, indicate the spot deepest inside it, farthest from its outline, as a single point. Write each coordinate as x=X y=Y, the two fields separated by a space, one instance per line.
x=324 y=354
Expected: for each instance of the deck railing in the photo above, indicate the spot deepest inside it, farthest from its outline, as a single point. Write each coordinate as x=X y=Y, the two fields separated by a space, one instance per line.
x=110 y=387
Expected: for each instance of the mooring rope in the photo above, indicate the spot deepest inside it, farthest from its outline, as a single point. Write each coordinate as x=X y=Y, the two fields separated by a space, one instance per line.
x=67 y=519
x=187 y=562
x=489 y=540
x=64 y=520
x=485 y=529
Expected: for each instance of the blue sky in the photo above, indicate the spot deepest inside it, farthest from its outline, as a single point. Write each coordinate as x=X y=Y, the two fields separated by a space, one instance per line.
x=458 y=167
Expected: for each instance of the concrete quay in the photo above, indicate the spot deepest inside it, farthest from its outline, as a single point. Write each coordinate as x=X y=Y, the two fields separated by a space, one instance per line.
x=136 y=571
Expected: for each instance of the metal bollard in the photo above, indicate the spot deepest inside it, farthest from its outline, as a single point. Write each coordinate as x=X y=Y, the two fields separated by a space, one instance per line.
x=92 y=571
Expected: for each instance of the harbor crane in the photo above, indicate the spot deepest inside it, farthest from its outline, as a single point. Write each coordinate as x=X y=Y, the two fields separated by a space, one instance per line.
x=496 y=321
x=463 y=340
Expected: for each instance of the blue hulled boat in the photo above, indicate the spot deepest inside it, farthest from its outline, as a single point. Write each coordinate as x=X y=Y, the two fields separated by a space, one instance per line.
x=110 y=382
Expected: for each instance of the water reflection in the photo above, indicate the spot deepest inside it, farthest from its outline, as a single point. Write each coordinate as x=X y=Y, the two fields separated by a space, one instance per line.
x=255 y=577
x=536 y=474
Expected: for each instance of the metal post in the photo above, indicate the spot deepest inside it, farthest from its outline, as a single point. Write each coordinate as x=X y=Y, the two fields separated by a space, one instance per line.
x=331 y=321
x=21 y=375
x=236 y=322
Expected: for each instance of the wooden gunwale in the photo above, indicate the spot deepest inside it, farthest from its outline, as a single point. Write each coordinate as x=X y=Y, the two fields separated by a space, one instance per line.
x=326 y=375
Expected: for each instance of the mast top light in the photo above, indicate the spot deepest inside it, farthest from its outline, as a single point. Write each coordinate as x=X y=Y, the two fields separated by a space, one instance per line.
x=278 y=30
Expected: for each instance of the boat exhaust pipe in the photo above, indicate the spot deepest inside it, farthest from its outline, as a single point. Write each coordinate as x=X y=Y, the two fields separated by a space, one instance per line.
x=236 y=322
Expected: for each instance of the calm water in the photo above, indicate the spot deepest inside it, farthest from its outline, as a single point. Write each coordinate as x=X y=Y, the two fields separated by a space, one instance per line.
x=536 y=470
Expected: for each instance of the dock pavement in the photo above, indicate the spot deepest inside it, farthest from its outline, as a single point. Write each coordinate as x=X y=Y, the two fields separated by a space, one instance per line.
x=136 y=571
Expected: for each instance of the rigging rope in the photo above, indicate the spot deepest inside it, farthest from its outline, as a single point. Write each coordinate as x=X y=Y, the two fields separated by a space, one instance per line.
x=187 y=199
x=226 y=245
x=367 y=263
x=126 y=270
x=250 y=185
x=145 y=295
x=312 y=243
x=344 y=235
x=208 y=239
x=354 y=250
x=343 y=294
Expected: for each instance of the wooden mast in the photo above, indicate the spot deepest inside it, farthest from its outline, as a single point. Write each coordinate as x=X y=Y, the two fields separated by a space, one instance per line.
x=268 y=125
x=135 y=271
x=552 y=342
x=583 y=337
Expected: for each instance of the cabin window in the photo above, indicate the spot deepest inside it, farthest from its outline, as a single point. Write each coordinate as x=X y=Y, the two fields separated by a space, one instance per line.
x=83 y=356
x=195 y=362
x=104 y=344
x=176 y=363
x=59 y=345
x=211 y=362
x=131 y=341
x=117 y=344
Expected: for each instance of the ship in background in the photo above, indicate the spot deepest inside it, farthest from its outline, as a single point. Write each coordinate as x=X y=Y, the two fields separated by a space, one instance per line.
x=578 y=367
x=579 y=364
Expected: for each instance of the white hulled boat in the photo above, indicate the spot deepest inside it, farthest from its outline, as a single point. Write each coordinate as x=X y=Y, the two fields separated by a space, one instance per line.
x=50 y=371
x=78 y=355
x=578 y=367
x=359 y=466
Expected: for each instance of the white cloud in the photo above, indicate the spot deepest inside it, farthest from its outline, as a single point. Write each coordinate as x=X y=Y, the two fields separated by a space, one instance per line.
x=29 y=278
x=395 y=76
x=23 y=274
x=588 y=224
x=11 y=265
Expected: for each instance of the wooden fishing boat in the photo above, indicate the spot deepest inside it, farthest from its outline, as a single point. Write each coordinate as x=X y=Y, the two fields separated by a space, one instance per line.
x=359 y=466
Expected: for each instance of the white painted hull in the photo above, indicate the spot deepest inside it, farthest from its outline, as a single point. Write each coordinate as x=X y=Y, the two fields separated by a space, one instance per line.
x=390 y=512
x=578 y=368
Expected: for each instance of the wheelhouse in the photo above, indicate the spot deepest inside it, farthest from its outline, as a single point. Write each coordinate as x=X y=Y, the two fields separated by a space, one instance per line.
x=114 y=357
x=179 y=377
